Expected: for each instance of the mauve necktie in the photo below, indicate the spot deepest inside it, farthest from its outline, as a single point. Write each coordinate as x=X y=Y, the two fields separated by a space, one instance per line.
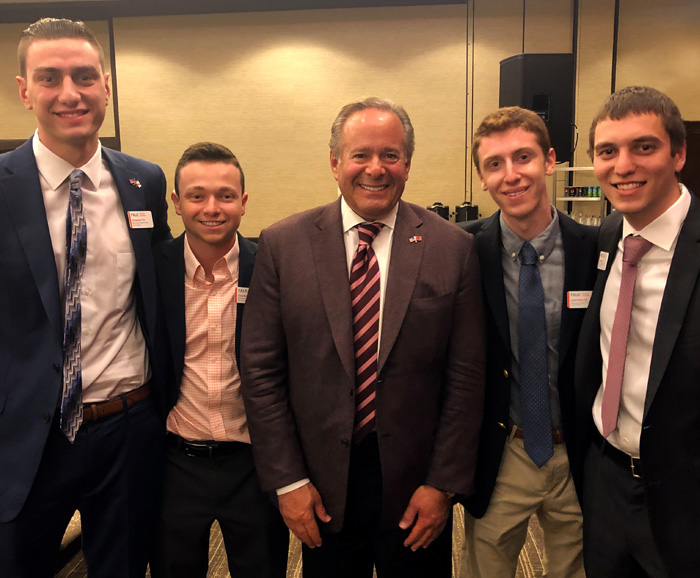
x=76 y=249
x=364 y=291
x=532 y=350
x=635 y=248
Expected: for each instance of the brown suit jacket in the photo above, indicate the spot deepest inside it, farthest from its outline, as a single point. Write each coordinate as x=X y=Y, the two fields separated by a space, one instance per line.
x=297 y=360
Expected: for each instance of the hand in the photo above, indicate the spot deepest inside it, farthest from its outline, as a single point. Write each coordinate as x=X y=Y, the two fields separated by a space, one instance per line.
x=429 y=509
x=299 y=508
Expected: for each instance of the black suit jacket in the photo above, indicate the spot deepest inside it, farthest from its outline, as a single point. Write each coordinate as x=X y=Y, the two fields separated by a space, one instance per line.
x=579 y=274
x=170 y=269
x=670 y=440
x=31 y=331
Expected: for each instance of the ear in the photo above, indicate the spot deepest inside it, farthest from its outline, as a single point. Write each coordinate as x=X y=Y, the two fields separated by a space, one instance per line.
x=244 y=200
x=334 y=166
x=176 y=202
x=23 y=92
x=108 y=90
x=680 y=156
x=550 y=162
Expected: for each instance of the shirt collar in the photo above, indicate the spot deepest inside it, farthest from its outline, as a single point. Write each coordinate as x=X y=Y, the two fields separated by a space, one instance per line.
x=55 y=170
x=543 y=243
x=351 y=218
x=663 y=231
x=225 y=268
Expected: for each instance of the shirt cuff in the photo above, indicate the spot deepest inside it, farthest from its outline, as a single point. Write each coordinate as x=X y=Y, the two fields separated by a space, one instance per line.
x=292 y=487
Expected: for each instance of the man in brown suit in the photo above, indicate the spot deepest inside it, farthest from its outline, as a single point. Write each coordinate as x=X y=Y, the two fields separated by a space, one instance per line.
x=358 y=499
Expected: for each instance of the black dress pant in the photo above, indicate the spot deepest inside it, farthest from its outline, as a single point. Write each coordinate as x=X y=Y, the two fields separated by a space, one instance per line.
x=111 y=474
x=224 y=486
x=617 y=537
x=364 y=542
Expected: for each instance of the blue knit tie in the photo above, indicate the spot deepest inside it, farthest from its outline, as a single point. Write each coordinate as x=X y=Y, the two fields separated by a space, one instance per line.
x=76 y=249
x=532 y=348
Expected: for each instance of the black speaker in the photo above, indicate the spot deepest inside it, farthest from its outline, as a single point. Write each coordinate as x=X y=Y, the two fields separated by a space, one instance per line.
x=543 y=83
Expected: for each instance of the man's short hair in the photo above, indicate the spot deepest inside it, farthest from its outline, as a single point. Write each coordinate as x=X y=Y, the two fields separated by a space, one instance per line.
x=641 y=100
x=336 y=142
x=505 y=119
x=55 y=29
x=207 y=152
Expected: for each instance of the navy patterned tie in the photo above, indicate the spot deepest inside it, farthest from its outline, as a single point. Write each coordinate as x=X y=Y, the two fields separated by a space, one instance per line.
x=364 y=291
x=76 y=249
x=532 y=349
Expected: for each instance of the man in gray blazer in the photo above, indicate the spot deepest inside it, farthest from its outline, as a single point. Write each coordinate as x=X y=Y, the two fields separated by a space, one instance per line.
x=638 y=394
x=369 y=482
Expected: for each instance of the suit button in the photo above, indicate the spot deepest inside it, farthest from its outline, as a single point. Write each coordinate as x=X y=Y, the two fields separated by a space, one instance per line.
x=56 y=367
x=380 y=381
x=46 y=417
x=505 y=373
x=351 y=392
x=345 y=443
x=502 y=425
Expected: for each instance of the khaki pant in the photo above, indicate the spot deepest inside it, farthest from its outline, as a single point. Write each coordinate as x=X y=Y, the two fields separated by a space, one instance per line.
x=493 y=543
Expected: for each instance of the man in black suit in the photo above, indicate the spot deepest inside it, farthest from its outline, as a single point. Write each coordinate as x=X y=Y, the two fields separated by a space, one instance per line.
x=638 y=399
x=203 y=278
x=513 y=158
x=79 y=427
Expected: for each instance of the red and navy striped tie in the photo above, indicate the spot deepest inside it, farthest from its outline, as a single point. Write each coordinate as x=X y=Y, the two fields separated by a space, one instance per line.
x=364 y=291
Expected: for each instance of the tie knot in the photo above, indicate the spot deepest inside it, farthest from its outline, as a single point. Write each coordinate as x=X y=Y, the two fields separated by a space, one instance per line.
x=368 y=232
x=528 y=254
x=76 y=179
x=635 y=247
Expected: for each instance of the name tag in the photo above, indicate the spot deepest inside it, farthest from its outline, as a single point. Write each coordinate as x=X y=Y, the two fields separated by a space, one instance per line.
x=603 y=260
x=241 y=295
x=578 y=299
x=140 y=220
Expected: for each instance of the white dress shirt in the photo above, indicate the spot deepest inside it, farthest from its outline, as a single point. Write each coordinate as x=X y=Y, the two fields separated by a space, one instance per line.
x=113 y=350
x=646 y=305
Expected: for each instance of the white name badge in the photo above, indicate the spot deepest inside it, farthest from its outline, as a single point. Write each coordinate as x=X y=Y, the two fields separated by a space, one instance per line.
x=578 y=299
x=603 y=260
x=241 y=295
x=140 y=220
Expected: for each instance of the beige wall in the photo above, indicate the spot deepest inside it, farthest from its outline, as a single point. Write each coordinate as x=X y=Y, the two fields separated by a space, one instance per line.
x=269 y=84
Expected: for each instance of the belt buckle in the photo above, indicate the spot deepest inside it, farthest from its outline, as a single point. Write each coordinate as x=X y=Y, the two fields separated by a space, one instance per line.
x=634 y=473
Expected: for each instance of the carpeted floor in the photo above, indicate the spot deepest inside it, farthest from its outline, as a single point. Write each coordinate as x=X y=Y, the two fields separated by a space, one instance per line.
x=529 y=564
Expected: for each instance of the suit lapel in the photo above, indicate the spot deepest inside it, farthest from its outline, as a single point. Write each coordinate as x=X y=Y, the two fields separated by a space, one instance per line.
x=25 y=204
x=172 y=278
x=133 y=199
x=489 y=249
x=404 y=266
x=246 y=261
x=329 y=259
x=680 y=286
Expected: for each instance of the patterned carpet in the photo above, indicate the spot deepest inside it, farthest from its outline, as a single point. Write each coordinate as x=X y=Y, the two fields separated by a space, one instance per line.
x=529 y=564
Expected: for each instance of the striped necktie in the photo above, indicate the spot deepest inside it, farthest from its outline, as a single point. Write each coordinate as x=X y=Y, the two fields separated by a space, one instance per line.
x=364 y=291
x=76 y=249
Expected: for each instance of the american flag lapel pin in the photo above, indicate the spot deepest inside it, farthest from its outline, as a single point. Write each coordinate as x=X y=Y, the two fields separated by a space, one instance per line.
x=415 y=239
x=135 y=182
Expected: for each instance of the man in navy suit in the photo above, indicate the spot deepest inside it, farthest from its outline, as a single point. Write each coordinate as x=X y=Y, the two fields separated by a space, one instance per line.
x=639 y=426
x=513 y=157
x=110 y=467
x=203 y=278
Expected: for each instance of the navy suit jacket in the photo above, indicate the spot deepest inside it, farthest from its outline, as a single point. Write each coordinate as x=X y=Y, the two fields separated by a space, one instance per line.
x=31 y=331
x=579 y=274
x=170 y=269
x=670 y=440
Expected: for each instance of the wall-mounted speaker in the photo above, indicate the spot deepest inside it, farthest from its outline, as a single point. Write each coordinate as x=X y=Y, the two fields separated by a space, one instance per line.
x=543 y=83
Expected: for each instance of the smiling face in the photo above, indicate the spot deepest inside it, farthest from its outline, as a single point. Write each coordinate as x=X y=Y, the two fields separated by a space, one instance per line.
x=632 y=161
x=211 y=206
x=68 y=91
x=513 y=168
x=372 y=169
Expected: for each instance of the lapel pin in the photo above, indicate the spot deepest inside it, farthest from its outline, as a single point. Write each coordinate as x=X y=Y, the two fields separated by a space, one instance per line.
x=415 y=239
x=135 y=182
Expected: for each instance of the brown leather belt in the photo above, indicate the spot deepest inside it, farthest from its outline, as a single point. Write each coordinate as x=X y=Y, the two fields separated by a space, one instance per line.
x=557 y=434
x=102 y=409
